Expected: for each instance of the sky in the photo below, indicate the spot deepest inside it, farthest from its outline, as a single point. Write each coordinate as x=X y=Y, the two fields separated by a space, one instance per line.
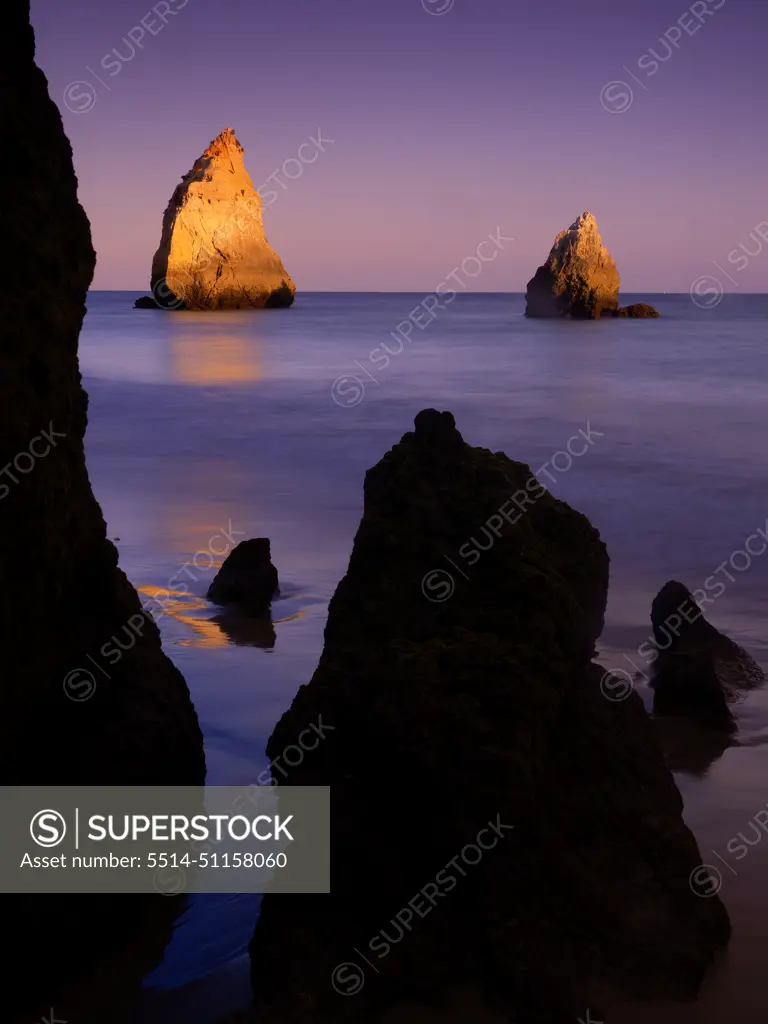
x=442 y=123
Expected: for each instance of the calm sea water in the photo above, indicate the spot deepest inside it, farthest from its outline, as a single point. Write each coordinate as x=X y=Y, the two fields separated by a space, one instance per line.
x=264 y=423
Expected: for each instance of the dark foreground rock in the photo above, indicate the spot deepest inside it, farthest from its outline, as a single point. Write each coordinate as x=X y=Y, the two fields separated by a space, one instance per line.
x=247 y=578
x=637 y=310
x=146 y=302
x=71 y=714
x=699 y=671
x=498 y=823
x=579 y=280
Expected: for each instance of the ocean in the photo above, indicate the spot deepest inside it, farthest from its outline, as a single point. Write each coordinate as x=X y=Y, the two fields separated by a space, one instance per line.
x=263 y=423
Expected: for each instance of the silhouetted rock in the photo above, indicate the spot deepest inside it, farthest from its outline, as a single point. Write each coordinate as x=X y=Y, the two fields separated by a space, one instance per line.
x=145 y=302
x=637 y=309
x=213 y=253
x=685 y=683
x=247 y=578
x=692 y=746
x=579 y=280
x=449 y=703
x=698 y=671
x=71 y=713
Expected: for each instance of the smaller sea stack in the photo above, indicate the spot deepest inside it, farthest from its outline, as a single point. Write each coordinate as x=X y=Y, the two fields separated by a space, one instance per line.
x=579 y=279
x=247 y=578
x=699 y=672
x=637 y=310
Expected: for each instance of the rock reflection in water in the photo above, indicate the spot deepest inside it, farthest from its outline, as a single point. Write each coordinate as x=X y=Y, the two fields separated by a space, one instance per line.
x=215 y=356
x=247 y=631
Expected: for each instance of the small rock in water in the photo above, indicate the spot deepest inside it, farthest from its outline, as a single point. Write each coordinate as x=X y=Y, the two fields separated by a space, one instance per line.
x=247 y=578
x=699 y=671
x=636 y=310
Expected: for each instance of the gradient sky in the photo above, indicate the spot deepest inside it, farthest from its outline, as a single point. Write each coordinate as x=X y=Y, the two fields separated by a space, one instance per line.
x=445 y=127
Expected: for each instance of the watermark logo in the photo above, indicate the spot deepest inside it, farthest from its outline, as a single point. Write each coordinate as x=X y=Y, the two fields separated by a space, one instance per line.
x=79 y=684
x=438 y=586
x=48 y=828
x=170 y=881
x=168 y=292
x=707 y=291
x=705 y=881
x=348 y=391
x=437 y=7
x=617 y=97
x=348 y=979
x=79 y=97
x=616 y=685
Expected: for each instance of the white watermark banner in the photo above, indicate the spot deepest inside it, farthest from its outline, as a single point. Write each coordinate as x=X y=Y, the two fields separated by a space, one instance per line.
x=166 y=839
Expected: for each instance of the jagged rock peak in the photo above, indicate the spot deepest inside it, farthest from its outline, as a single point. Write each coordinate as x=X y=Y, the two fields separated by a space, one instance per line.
x=436 y=428
x=223 y=141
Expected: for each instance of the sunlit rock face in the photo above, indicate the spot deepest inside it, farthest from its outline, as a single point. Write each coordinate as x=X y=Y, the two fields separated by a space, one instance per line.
x=579 y=279
x=71 y=713
x=213 y=253
x=501 y=821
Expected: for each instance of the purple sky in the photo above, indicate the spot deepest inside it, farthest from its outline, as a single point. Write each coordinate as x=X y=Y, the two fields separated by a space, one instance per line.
x=445 y=127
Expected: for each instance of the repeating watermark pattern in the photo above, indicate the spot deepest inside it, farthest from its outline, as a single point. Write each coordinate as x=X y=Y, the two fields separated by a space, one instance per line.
x=316 y=732
x=617 y=684
x=80 y=684
x=348 y=390
x=315 y=145
x=80 y=96
x=170 y=880
x=438 y=585
x=618 y=96
x=437 y=7
x=706 y=880
x=348 y=978
x=707 y=290
x=25 y=461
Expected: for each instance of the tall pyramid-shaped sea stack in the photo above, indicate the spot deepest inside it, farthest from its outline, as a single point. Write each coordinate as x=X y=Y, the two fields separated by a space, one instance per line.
x=213 y=253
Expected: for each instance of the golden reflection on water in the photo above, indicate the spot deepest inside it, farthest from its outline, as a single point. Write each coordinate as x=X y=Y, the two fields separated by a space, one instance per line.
x=178 y=605
x=217 y=357
x=220 y=631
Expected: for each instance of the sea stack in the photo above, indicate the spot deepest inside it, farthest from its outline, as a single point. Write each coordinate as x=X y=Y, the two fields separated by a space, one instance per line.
x=579 y=280
x=699 y=672
x=213 y=253
x=482 y=777
x=247 y=578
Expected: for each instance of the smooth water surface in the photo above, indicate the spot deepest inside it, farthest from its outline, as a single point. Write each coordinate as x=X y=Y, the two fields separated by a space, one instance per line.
x=263 y=423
